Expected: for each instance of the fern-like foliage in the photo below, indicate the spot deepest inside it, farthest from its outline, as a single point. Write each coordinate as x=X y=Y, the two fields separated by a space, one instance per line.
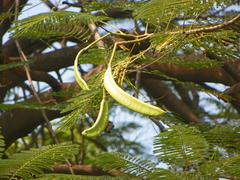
x=54 y=24
x=163 y=175
x=231 y=167
x=2 y=144
x=14 y=65
x=94 y=56
x=162 y=11
x=86 y=102
x=186 y=151
x=27 y=105
x=225 y=137
x=31 y=163
x=125 y=163
x=6 y=15
x=181 y=146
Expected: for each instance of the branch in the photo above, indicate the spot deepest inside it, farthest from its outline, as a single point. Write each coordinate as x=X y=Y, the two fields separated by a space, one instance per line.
x=163 y=95
x=81 y=170
x=19 y=122
x=214 y=74
x=209 y=29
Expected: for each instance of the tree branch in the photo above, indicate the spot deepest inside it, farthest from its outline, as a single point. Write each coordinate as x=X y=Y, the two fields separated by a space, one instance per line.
x=163 y=95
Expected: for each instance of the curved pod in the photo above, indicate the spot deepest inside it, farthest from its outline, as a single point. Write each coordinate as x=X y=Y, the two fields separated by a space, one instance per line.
x=101 y=122
x=78 y=76
x=127 y=100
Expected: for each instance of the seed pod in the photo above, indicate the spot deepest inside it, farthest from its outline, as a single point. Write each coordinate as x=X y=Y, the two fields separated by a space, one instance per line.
x=101 y=122
x=78 y=76
x=127 y=100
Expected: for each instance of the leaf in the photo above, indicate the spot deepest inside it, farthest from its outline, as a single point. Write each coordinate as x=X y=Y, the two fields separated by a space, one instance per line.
x=6 y=15
x=181 y=146
x=2 y=144
x=28 y=105
x=93 y=56
x=231 y=167
x=163 y=174
x=224 y=136
x=125 y=163
x=31 y=163
x=14 y=65
x=54 y=24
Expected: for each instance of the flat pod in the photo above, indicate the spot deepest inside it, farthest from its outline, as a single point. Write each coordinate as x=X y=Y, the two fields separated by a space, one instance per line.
x=78 y=76
x=126 y=100
x=100 y=124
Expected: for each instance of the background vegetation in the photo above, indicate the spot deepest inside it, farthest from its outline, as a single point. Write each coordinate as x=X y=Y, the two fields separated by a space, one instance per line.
x=182 y=56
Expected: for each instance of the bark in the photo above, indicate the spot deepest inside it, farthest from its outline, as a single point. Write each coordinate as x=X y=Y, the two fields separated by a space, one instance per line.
x=18 y=123
x=159 y=91
x=81 y=170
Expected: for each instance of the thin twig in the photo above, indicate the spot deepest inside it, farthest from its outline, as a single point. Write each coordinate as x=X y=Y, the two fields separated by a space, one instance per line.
x=159 y=125
x=27 y=70
x=209 y=29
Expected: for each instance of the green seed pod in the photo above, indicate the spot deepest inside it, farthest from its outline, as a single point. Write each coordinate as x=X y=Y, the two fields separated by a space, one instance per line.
x=77 y=75
x=101 y=122
x=127 y=100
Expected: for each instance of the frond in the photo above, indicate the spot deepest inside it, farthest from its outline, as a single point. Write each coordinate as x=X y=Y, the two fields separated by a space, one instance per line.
x=86 y=102
x=78 y=177
x=31 y=163
x=2 y=144
x=162 y=11
x=231 y=167
x=93 y=56
x=125 y=163
x=192 y=64
x=14 y=65
x=224 y=136
x=6 y=15
x=210 y=170
x=104 y=5
x=163 y=174
x=157 y=11
x=181 y=146
x=28 y=105
x=54 y=24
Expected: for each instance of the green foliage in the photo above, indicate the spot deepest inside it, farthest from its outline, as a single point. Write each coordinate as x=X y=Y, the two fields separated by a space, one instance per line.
x=6 y=15
x=116 y=4
x=226 y=137
x=14 y=65
x=93 y=56
x=187 y=152
x=28 y=105
x=2 y=144
x=31 y=163
x=163 y=175
x=231 y=167
x=181 y=146
x=91 y=100
x=125 y=163
x=188 y=155
x=157 y=11
x=54 y=24
x=163 y=11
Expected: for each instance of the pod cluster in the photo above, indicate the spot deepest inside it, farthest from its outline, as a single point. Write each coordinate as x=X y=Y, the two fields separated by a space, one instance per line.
x=117 y=94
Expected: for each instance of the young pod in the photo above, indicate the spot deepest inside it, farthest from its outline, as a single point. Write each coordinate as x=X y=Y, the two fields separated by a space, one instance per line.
x=127 y=100
x=101 y=122
x=78 y=76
